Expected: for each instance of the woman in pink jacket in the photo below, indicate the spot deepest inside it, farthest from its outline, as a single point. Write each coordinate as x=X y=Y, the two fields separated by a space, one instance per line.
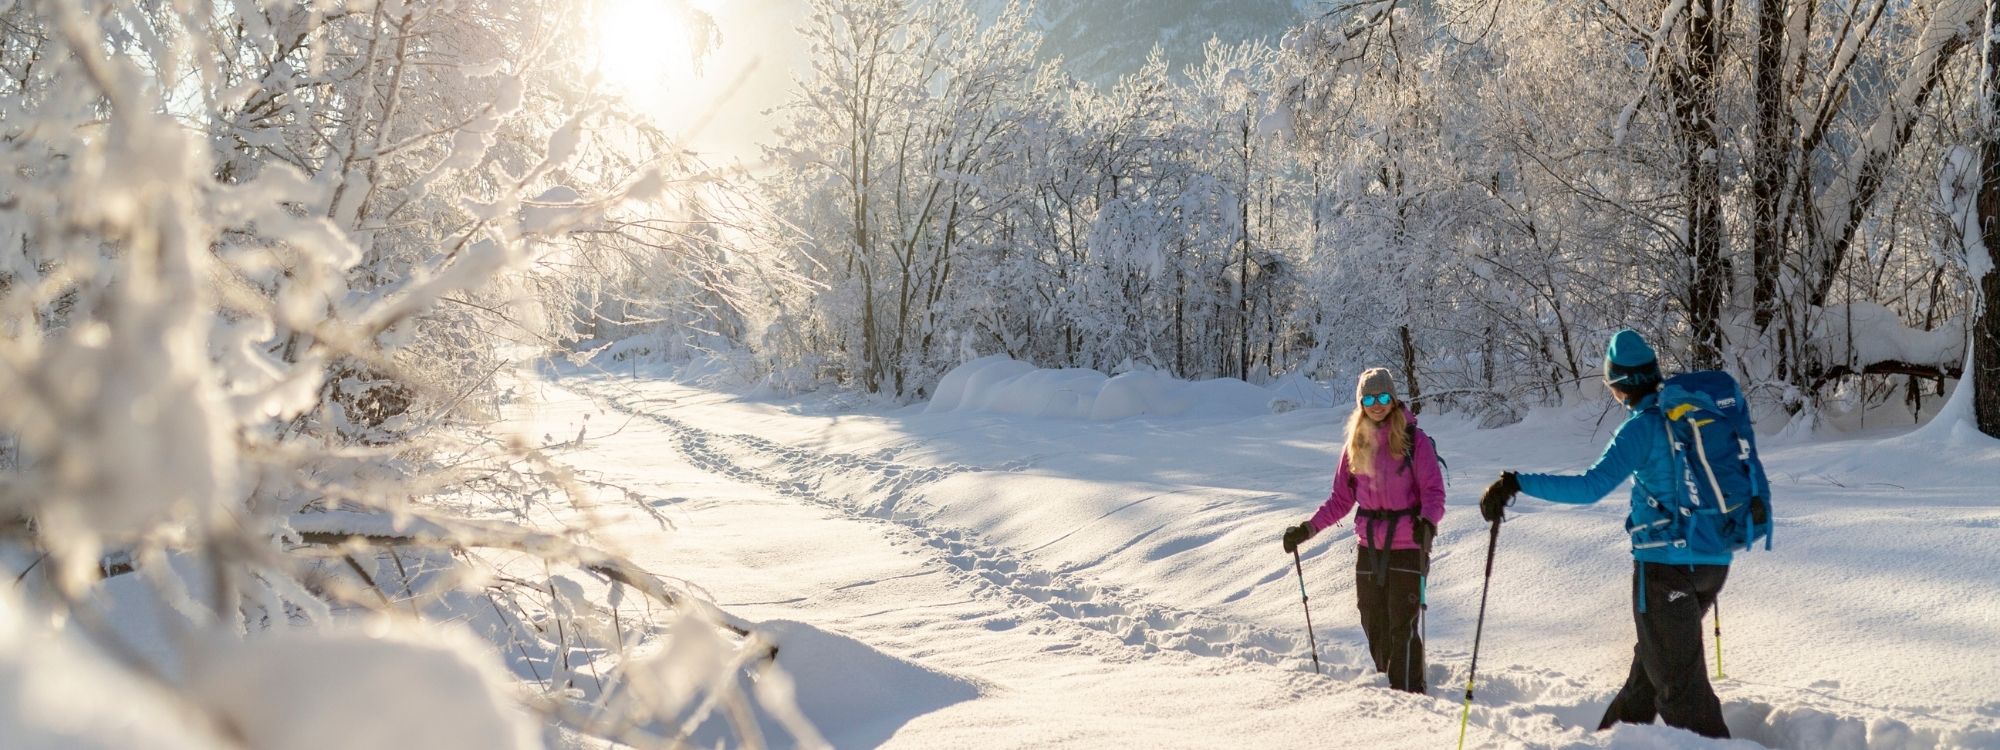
x=1390 y=469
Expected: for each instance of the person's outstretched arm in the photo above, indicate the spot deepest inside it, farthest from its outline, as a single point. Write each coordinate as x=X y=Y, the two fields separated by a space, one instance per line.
x=1626 y=453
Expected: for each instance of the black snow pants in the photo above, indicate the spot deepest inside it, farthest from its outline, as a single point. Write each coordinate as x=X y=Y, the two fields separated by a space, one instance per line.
x=1389 y=613
x=1669 y=678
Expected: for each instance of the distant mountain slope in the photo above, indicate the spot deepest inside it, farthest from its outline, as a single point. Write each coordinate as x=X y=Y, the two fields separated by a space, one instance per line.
x=1100 y=40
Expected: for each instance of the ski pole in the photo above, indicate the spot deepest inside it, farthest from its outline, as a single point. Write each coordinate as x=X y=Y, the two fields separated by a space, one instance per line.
x=1718 y=640
x=1424 y=585
x=1492 y=540
x=1306 y=601
x=1424 y=607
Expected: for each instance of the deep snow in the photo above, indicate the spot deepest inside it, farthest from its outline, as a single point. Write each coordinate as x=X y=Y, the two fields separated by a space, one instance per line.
x=958 y=575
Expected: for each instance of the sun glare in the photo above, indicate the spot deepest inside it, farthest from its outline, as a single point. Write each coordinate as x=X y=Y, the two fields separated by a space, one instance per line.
x=643 y=49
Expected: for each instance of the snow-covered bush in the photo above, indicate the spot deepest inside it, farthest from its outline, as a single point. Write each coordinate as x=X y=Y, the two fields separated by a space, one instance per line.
x=260 y=266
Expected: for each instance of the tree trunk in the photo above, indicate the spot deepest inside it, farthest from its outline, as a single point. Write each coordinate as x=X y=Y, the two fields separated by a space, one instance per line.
x=1694 y=109
x=870 y=344
x=1982 y=372
x=1180 y=308
x=1410 y=370
x=1769 y=155
x=1486 y=352
x=1243 y=271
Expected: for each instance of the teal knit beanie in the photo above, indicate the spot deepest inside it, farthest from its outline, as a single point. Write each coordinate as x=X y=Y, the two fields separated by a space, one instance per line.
x=1629 y=361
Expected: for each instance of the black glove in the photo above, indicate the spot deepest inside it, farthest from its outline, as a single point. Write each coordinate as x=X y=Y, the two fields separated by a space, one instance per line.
x=1297 y=535
x=1426 y=531
x=1498 y=496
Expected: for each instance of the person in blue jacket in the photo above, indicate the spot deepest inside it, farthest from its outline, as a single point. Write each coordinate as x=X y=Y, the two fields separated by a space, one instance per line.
x=1672 y=586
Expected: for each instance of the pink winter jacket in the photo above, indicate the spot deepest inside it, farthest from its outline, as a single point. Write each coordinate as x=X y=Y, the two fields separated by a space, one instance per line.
x=1391 y=487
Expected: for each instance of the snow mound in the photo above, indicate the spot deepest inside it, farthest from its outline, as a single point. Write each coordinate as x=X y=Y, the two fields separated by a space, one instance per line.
x=401 y=685
x=1296 y=391
x=1001 y=385
x=55 y=694
x=853 y=692
x=1914 y=456
x=1061 y=394
x=1878 y=334
x=1802 y=727
x=957 y=387
x=1137 y=393
x=1955 y=429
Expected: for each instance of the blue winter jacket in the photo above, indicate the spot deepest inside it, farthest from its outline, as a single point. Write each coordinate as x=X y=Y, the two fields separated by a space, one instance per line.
x=1641 y=451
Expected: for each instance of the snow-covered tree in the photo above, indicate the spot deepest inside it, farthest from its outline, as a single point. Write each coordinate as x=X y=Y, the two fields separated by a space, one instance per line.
x=1474 y=193
x=907 y=107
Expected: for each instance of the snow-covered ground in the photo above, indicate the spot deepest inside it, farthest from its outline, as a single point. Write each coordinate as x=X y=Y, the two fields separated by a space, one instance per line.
x=966 y=577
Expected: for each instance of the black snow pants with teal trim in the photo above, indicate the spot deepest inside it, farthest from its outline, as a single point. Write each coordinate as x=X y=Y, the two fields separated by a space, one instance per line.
x=1669 y=678
x=1389 y=614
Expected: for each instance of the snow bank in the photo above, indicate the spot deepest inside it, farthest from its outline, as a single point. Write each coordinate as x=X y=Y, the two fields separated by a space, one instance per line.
x=1804 y=727
x=1296 y=391
x=1001 y=385
x=57 y=694
x=1955 y=429
x=1879 y=335
x=1063 y=394
x=977 y=376
x=856 y=693
x=401 y=685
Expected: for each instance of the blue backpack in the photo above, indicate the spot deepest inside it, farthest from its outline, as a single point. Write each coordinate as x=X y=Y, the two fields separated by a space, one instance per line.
x=1725 y=502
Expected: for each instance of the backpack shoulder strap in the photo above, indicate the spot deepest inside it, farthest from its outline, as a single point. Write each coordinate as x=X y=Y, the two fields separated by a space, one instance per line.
x=1416 y=433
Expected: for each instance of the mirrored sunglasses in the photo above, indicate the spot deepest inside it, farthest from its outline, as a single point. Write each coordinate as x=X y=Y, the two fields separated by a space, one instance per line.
x=1379 y=399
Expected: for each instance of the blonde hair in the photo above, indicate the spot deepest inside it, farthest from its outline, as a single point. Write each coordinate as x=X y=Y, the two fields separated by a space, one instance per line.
x=1361 y=437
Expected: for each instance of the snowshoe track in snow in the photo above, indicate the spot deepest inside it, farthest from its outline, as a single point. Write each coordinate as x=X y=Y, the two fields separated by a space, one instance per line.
x=801 y=474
